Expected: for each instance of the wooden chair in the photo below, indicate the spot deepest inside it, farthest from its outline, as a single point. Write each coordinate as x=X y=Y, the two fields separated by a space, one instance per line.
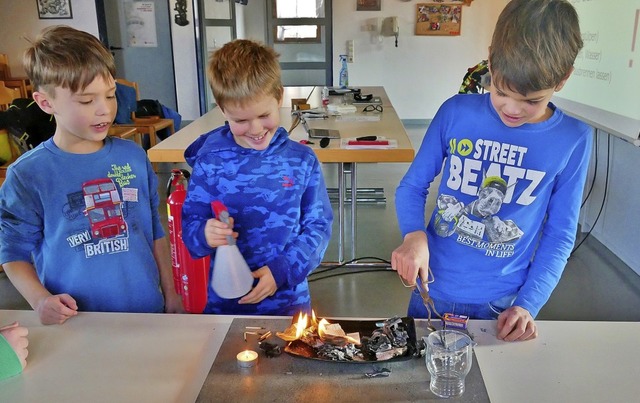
x=147 y=125
x=12 y=153
x=125 y=132
x=21 y=83
x=8 y=150
x=7 y=95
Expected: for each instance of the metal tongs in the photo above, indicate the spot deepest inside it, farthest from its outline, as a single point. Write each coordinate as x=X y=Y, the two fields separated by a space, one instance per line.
x=423 y=288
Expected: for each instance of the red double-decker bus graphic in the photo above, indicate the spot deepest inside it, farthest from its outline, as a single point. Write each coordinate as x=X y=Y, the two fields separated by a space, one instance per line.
x=103 y=208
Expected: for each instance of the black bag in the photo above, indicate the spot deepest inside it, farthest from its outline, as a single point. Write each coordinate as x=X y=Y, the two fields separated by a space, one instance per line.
x=27 y=123
x=149 y=107
x=476 y=79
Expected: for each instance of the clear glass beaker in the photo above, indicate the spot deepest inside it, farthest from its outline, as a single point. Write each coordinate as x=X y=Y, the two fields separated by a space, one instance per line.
x=448 y=357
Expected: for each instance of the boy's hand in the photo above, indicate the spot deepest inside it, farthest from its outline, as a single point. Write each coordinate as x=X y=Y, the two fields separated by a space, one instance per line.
x=56 y=309
x=216 y=232
x=516 y=324
x=411 y=256
x=266 y=287
x=173 y=303
x=16 y=336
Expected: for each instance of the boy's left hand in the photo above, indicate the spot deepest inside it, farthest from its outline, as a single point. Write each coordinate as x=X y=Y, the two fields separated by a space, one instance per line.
x=173 y=303
x=516 y=324
x=266 y=287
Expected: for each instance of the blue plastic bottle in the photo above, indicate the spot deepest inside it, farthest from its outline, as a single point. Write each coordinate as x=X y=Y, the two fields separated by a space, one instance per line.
x=344 y=72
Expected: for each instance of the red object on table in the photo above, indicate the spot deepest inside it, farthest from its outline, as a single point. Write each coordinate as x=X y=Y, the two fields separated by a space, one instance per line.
x=368 y=143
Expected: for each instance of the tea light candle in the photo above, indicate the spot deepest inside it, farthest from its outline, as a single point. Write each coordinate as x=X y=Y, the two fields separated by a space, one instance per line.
x=247 y=358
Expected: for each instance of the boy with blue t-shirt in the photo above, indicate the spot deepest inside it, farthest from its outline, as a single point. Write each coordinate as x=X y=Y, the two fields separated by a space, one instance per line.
x=514 y=169
x=79 y=222
x=272 y=186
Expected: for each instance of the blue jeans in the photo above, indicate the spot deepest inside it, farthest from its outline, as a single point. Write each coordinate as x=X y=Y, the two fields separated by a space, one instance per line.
x=489 y=310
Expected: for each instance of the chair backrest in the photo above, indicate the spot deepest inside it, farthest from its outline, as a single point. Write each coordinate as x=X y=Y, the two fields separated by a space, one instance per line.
x=7 y=95
x=130 y=84
x=5 y=72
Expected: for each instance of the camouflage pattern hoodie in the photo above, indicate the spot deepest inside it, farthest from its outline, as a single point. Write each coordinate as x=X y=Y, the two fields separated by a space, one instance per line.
x=281 y=210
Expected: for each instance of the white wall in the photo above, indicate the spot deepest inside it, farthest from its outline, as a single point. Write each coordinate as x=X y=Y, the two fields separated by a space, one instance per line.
x=422 y=71
x=20 y=19
x=617 y=225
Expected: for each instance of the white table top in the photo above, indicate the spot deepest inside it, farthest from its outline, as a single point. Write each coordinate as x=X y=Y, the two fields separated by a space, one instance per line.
x=389 y=126
x=116 y=357
x=569 y=362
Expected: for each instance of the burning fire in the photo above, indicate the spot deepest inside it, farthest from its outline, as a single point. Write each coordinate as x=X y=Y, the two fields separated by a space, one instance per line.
x=309 y=337
x=315 y=333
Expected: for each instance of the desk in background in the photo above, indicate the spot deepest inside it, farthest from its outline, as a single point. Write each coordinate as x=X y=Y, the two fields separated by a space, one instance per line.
x=119 y=357
x=389 y=125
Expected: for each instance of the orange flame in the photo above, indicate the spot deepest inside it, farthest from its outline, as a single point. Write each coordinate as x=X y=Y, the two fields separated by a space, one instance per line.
x=322 y=328
x=301 y=325
x=305 y=328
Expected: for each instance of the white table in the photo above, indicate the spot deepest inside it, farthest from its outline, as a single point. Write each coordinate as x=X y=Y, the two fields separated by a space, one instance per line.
x=569 y=362
x=114 y=357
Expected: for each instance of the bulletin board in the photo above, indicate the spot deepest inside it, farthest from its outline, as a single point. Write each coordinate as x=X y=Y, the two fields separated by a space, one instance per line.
x=442 y=19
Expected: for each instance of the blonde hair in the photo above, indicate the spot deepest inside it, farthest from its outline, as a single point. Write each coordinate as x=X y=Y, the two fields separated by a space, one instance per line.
x=65 y=57
x=534 y=45
x=242 y=70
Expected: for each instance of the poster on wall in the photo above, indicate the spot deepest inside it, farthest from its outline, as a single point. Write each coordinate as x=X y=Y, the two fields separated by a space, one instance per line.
x=140 y=19
x=438 y=19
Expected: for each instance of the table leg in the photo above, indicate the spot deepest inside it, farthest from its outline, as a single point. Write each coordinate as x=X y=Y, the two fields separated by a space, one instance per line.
x=354 y=207
x=343 y=170
x=341 y=193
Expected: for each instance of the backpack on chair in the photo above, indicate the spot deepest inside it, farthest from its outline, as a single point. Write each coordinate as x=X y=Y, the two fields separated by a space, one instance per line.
x=27 y=124
x=146 y=108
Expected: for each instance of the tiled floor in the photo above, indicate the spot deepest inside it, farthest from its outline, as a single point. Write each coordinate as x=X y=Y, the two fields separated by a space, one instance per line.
x=596 y=285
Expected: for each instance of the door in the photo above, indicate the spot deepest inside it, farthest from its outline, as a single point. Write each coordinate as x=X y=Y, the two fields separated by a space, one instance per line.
x=138 y=34
x=217 y=27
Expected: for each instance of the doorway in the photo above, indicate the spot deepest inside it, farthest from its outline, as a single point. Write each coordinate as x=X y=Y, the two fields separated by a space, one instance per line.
x=304 y=61
x=139 y=37
x=301 y=32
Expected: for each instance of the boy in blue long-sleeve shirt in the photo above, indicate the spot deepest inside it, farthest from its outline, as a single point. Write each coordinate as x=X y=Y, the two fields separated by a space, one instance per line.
x=79 y=223
x=514 y=169
x=272 y=186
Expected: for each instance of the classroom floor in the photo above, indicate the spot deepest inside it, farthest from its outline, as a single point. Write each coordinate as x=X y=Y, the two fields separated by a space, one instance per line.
x=596 y=285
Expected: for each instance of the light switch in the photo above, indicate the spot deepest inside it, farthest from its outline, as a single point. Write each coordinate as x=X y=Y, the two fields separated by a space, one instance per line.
x=350 y=51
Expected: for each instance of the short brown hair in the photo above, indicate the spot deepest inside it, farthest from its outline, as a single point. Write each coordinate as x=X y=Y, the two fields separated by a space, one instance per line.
x=534 y=45
x=65 y=57
x=243 y=69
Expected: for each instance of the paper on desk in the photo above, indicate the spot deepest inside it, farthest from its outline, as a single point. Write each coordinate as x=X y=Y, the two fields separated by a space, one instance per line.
x=358 y=118
x=341 y=109
x=344 y=143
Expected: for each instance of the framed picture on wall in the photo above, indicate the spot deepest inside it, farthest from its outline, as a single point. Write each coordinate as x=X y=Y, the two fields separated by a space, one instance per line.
x=54 y=9
x=438 y=19
x=368 y=5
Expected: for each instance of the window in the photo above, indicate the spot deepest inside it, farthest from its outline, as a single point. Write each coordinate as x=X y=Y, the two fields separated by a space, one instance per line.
x=293 y=31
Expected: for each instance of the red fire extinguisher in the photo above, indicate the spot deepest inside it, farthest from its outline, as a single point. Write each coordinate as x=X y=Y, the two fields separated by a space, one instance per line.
x=190 y=276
